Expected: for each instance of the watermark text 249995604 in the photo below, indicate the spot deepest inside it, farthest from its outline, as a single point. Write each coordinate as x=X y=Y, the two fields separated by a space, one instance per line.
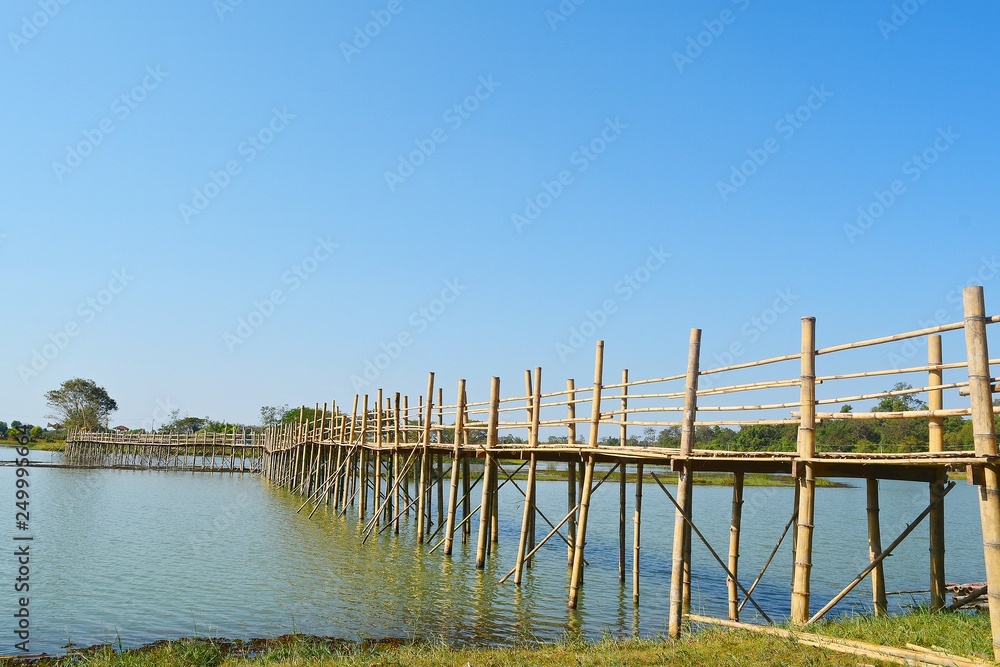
x=22 y=551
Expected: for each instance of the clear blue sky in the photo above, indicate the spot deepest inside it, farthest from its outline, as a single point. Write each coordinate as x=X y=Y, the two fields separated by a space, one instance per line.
x=250 y=139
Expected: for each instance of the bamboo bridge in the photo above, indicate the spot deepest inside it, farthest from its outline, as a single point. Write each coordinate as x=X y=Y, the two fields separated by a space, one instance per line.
x=440 y=464
x=198 y=452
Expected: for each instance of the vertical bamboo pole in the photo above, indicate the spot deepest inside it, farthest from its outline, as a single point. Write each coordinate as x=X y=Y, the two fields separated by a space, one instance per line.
x=466 y=480
x=875 y=548
x=449 y=533
x=536 y=403
x=622 y=480
x=682 y=536
x=390 y=464
x=985 y=438
x=440 y=459
x=377 y=501
x=734 y=546
x=485 y=508
x=807 y=479
x=935 y=401
x=571 y=469
x=428 y=415
x=347 y=466
x=529 y=496
x=636 y=533
x=576 y=578
x=409 y=472
x=363 y=464
x=398 y=494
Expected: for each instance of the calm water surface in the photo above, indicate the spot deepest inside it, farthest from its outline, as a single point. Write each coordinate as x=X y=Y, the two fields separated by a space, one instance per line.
x=143 y=555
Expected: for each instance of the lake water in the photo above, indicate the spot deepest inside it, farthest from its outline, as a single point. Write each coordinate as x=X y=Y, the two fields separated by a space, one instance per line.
x=146 y=555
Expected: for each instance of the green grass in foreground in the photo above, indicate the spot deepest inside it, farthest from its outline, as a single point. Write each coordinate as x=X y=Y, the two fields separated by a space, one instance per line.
x=959 y=633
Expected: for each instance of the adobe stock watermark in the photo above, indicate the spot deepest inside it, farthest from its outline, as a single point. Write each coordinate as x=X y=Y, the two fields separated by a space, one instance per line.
x=364 y=34
x=248 y=149
x=263 y=310
x=562 y=13
x=580 y=159
x=625 y=288
x=223 y=7
x=32 y=24
x=704 y=39
x=786 y=127
x=454 y=116
x=121 y=108
x=419 y=321
x=913 y=169
x=911 y=349
x=86 y=312
x=751 y=331
x=900 y=16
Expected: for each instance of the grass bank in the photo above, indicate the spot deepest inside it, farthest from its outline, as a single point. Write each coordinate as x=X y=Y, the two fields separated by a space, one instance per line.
x=40 y=445
x=957 y=633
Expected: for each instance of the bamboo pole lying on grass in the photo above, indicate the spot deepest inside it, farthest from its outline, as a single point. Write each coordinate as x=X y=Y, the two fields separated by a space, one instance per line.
x=910 y=656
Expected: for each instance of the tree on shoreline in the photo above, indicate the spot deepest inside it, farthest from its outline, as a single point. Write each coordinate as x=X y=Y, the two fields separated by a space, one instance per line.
x=80 y=403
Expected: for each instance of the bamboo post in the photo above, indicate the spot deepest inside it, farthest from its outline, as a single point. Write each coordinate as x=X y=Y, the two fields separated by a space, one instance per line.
x=576 y=578
x=427 y=415
x=397 y=494
x=489 y=466
x=440 y=459
x=529 y=497
x=466 y=481
x=378 y=457
x=807 y=480
x=531 y=404
x=985 y=439
x=734 y=546
x=571 y=469
x=683 y=514
x=425 y=460
x=449 y=534
x=875 y=548
x=346 y=492
x=636 y=532
x=363 y=463
x=935 y=401
x=622 y=480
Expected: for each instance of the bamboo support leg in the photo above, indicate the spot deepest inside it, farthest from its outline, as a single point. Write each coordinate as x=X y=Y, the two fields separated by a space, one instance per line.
x=803 y=546
x=466 y=499
x=734 y=546
x=677 y=563
x=875 y=548
x=526 y=523
x=576 y=578
x=571 y=503
x=622 y=490
x=485 y=511
x=936 y=527
x=936 y=444
x=636 y=532
x=985 y=439
x=806 y=482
